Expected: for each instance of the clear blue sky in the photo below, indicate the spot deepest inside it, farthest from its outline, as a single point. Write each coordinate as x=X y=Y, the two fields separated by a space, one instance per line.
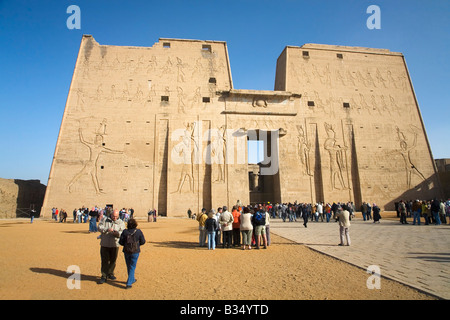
x=38 y=54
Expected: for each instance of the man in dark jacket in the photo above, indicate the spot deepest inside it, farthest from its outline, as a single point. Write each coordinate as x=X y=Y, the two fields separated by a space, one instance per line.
x=435 y=211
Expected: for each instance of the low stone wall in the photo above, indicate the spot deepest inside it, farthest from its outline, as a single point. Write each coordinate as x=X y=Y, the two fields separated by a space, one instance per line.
x=17 y=197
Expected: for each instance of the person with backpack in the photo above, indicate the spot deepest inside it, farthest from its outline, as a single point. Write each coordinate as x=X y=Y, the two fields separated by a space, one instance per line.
x=131 y=239
x=259 y=221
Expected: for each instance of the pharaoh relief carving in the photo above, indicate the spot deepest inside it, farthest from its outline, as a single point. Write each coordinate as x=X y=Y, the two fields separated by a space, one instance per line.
x=167 y=68
x=218 y=147
x=125 y=92
x=151 y=94
x=96 y=148
x=336 y=154
x=99 y=93
x=185 y=152
x=405 y=149
x=152 y=64
x=140 y=64
x=197 y=98
x=180 y=72
x=139 y=95
x=181 y=97
x=113 y=93
x=381 y=81
x=304 y=148
x=198 y=68
x=215 y=65
x=81 y=99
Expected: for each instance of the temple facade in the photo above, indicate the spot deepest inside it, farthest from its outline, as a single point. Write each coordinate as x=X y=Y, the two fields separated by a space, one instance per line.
x=163 y=128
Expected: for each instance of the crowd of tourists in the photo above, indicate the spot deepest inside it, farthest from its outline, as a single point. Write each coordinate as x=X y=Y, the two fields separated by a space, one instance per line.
x=244 y=226
x=247 y=226
x=93 y=215
x=432 y=211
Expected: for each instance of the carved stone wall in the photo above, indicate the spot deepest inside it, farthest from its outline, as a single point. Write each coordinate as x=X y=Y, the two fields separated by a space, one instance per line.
x=370 y=135
x=162 y=128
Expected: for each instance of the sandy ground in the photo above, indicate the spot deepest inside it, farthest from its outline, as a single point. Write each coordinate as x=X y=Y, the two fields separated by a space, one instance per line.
x=34 y=259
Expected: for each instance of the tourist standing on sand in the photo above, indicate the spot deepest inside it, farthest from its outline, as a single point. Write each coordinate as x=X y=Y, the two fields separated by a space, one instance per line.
x=305 y=215
x=343 y=217
x=246 y=228
x=226 y=222
x=211 y=226
x=32 y=215
x=236 y=227
x=218 y=231
x=416 y=210
x=435 y=211
x=376 y=213
x=131 y=253
x=442 y=212
x=201 y=227
x=110 y=228
x=93 y=214
x=259 y=221
x=267 y=227
x=402 y=210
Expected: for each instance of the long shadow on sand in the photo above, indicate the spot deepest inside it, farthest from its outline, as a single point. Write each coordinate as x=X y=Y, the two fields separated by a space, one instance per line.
x=65 y=275
x=177 y=244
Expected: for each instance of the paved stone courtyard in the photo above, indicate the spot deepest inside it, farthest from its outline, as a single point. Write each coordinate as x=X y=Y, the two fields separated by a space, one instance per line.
x=418 y=256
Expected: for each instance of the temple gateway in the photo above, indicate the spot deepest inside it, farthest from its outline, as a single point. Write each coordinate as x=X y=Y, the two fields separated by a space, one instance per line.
x=163 y=128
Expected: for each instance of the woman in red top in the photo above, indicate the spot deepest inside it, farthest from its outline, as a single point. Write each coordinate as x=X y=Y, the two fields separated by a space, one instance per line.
x=236 y=227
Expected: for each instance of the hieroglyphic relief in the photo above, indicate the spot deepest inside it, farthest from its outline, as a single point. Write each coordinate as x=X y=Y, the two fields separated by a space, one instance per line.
x=132 y=83
x=180 y=72
x=181 y=96
x=134 y=64
x=304 y=148
x=80 y=99
x=198 y=68
x=405 y=150
x=367 y=86
x=337 y=158
x=96 y=148
x=186 y=151
x=167 y=68
x=369 y=77
x=218 y=147
x=152 y=64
